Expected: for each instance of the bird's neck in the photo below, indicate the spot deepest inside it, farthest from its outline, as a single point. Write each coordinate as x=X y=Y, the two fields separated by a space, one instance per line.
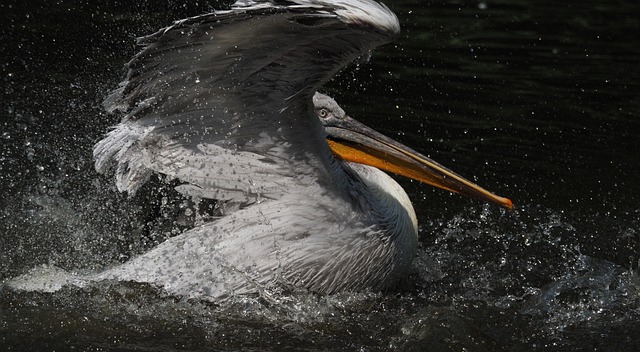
x=384 y=199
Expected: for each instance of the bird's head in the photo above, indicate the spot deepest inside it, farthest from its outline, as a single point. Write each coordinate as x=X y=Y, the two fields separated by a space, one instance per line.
x=353 y=141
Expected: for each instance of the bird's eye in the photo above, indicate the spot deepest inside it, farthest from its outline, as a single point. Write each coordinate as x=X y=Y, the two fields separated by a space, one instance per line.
x=323 y=113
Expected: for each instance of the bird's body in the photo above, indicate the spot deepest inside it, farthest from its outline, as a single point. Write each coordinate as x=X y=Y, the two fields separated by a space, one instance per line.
x=312 y=242
x=226 y=103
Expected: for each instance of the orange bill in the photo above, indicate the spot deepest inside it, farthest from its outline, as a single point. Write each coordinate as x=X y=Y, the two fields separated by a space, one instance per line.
x=352 y=141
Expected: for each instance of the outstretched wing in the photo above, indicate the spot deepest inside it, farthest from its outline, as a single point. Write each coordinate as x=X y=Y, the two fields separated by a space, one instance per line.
x=223 y=101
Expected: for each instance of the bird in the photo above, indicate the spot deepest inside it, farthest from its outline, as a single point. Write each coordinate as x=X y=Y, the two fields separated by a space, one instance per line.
x=226 y=104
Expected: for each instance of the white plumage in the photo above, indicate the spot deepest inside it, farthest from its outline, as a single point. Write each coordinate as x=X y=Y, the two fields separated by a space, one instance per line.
x=223 y=102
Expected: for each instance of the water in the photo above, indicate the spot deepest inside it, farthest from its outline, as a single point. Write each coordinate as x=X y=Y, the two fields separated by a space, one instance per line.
x=537 y=101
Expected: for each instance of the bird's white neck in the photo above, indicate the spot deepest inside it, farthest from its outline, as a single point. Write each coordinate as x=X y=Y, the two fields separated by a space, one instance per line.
x=391 y=205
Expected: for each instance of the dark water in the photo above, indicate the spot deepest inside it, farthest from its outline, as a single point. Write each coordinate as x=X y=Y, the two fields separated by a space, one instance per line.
x=537 y=101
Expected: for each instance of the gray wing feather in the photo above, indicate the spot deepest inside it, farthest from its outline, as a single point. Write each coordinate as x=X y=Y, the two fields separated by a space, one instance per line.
x=222 y=101
x=284 y=242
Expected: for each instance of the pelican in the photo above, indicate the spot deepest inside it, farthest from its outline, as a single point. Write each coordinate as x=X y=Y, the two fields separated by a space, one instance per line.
x=226 y=104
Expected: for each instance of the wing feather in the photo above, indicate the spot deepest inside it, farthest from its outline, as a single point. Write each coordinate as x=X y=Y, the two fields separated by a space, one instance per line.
x=223 y=101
